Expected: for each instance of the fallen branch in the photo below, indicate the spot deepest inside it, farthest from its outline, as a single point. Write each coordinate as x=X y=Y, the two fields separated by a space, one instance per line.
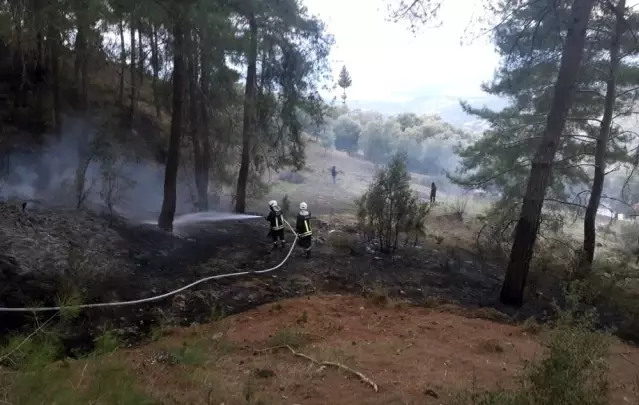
x=361 y=376
x=401 y=349
x=625 y=357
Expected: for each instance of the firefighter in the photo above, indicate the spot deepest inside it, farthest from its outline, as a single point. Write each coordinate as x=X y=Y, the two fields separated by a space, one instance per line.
x=303 y=228
x=276 y=220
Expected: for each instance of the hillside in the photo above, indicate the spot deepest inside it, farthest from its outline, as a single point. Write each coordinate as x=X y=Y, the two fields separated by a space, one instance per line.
x=142 y=142
x=424 y=324
x=314 y=183
x=325 y=349
x=445 y=106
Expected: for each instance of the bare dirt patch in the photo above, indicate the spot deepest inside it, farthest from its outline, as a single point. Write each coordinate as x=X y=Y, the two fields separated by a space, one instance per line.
x=415 y=355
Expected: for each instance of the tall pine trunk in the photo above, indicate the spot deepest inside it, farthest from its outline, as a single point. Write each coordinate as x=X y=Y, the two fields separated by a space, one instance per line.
x=19 y=97
x=602 y=143
x=169 y=203
x=53 y=41
x=122 y=64
x=133 y=73
x=193 y=118
x=140 y=59
x=205 y=65
x=39 y=117
x=512 y=292
x=249 y=118
x=80 y=66
x=155 y=62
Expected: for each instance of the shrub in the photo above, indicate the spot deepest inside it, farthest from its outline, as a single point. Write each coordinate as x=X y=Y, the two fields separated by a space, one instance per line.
x=292 y=177
x=115 y=182
x=414 y=224
x=573 y=371
x=459 y=207
x=389 y=207
x=630 y=236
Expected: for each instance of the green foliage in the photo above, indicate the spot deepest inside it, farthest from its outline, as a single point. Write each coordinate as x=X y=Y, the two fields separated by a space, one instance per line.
x=289 y=337
x=188 y=355
x=293 y=48
x=389 y=207
x=378 y=139
x=530 y=41
x=573 y=370
x=28 y=353
x=107 y=343
x=112 y=384
x=344 y=82
x=108 y=384
x=347 y=132
x=428 y=142
x=32 y=377
x=327 y=139
x=70 y=300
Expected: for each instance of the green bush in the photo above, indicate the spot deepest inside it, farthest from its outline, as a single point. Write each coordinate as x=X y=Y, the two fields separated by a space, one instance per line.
x=389 y=207
x=572 y=372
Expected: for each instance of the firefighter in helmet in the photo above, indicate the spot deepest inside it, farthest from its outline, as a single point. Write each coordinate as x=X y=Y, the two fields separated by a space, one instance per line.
x=276 y=220
x=303 y=229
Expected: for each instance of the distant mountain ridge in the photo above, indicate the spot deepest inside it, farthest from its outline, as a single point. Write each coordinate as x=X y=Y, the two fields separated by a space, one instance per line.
x=447 y=107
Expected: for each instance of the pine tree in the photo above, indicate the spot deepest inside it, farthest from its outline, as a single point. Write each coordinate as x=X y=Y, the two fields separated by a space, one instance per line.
x=344 y=82
x=531 y=58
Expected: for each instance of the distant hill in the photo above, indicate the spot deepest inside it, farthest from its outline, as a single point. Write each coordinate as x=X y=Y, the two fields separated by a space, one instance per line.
x=446 y=107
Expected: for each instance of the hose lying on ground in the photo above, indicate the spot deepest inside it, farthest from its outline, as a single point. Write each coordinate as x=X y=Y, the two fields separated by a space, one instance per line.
x=162 y=296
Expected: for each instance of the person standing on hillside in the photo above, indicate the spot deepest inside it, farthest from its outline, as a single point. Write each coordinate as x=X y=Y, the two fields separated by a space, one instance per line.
x=433 y=192
x=334 y=174
x=303 y=228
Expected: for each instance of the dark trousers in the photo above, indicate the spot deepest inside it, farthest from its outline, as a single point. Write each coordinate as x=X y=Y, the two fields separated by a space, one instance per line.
x=277 y=235
x=305 y=243
x=432 y=197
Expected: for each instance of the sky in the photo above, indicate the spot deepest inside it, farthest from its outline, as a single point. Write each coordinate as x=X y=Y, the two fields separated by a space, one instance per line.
x=388 y=62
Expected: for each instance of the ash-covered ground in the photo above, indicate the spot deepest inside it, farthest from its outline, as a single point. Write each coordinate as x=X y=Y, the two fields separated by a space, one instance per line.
x=70 y=256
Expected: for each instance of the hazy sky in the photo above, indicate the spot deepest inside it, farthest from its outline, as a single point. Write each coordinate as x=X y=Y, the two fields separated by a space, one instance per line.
x=388 y=62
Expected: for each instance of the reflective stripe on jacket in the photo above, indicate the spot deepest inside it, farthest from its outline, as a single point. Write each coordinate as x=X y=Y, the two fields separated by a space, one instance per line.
x=276 y=220
x=277 y=223
x=304 y=225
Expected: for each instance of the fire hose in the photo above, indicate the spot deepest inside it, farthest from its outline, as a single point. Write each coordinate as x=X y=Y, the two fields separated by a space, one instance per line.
x=161 y=296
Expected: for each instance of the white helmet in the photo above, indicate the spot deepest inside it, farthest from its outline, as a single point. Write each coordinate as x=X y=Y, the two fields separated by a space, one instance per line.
x=303 y=206
x=272 y=203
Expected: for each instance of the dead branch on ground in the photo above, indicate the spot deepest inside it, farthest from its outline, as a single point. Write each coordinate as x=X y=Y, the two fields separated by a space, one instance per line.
x=341 y=366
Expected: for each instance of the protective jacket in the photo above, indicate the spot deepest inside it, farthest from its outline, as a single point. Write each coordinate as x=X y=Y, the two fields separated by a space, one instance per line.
x=276 y=220
x=303 y=226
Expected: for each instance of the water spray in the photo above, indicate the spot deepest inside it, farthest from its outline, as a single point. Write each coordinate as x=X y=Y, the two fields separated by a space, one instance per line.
x=197 y=218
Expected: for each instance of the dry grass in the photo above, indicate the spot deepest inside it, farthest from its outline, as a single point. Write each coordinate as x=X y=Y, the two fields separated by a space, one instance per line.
x=323 y=196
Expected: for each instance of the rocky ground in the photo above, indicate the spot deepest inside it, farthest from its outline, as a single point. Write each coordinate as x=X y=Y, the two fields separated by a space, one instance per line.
x=52 y=256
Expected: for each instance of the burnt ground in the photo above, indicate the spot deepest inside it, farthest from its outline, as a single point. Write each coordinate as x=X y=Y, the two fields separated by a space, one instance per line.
x=161 y=262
